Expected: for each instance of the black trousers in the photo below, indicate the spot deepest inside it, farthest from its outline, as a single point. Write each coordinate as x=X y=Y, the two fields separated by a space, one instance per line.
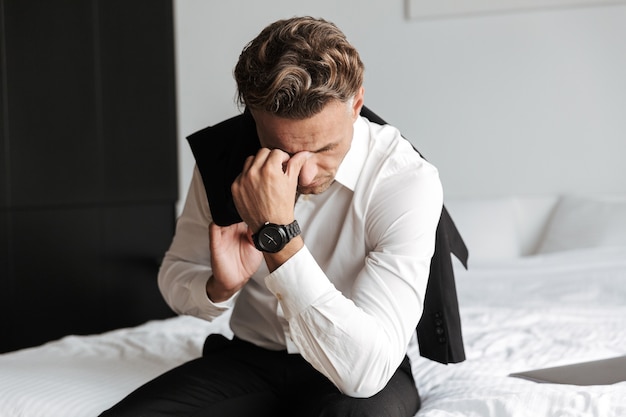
x=239 y=379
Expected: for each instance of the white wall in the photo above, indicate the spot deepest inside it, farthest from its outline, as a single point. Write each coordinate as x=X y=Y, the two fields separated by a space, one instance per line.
x=522 y=103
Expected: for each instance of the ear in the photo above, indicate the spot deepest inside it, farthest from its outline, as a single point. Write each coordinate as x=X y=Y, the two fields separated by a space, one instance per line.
x=357 y=103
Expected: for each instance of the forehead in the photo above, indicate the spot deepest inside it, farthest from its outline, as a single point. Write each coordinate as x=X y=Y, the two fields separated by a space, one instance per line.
x=328 y=127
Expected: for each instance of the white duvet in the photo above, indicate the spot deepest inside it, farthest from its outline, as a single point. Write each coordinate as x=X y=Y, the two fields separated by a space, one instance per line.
x=517 y=315
x=530 y=313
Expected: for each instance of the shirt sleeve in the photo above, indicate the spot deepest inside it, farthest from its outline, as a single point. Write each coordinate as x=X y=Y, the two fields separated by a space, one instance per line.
x=186 y=266
x=359 y=339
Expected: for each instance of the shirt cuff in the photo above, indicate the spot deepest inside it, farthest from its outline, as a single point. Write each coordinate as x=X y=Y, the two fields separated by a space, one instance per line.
x=298 y=283
x=204 y=303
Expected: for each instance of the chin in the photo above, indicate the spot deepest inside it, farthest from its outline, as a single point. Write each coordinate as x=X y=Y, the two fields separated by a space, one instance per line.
x=315 y=188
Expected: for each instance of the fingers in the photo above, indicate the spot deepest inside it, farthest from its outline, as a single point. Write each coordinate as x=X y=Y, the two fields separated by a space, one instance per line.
x=266 y=188
x=260 y=160
x=296 y=162
x=247 y=164
x=277 y=159
x=273 y=159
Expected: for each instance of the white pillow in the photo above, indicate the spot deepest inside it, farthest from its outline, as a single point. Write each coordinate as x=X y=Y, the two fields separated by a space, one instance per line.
x=585 y=222
x=488 y=227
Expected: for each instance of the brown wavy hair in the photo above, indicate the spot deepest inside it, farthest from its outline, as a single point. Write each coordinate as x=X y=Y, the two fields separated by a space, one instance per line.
x=294 y=67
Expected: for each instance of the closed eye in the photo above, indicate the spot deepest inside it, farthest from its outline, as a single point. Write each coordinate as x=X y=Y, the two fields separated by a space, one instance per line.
x=326 y=148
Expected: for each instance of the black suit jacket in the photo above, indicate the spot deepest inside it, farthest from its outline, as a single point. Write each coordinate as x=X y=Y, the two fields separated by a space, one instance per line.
x=220 y=151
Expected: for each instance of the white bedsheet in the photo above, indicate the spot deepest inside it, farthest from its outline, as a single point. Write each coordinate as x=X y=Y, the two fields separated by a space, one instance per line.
x=517 y=315
x=535 y=312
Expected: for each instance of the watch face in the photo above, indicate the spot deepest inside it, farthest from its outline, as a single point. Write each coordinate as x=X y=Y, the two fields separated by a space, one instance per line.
x=272 y=238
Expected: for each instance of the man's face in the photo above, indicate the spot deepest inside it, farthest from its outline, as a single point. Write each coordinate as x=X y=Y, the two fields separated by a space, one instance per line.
x=327 y=135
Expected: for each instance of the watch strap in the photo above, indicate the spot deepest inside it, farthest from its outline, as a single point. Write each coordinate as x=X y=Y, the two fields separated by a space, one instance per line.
x=292 y=229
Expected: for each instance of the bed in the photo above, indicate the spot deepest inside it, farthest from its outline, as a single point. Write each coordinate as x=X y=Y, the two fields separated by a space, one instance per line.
x=546 y=287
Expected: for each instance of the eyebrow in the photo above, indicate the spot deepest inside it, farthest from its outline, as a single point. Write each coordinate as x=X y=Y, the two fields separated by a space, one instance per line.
x=328 y=147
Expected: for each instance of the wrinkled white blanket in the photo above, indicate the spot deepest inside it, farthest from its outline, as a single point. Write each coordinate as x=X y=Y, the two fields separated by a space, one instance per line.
x=521 y=314
x=530 y=313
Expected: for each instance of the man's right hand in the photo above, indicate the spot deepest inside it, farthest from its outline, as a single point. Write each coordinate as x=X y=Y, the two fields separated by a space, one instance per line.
x=233 y=258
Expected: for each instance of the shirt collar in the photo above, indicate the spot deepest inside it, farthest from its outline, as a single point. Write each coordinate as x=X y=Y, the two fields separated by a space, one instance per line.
x=350 y=168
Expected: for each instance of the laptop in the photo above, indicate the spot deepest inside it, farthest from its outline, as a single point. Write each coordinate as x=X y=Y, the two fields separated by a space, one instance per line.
x=599 y=372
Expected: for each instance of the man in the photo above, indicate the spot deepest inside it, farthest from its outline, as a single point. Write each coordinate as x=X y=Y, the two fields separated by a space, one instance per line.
x=326 y=273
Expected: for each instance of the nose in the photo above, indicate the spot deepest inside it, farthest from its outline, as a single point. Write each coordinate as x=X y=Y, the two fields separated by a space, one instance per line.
x=308 y=173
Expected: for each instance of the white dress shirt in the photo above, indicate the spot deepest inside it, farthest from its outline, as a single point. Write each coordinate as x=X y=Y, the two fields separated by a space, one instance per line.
x=350 y=299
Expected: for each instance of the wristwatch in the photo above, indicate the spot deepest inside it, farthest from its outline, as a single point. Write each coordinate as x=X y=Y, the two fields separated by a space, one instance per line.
x=273 y=237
